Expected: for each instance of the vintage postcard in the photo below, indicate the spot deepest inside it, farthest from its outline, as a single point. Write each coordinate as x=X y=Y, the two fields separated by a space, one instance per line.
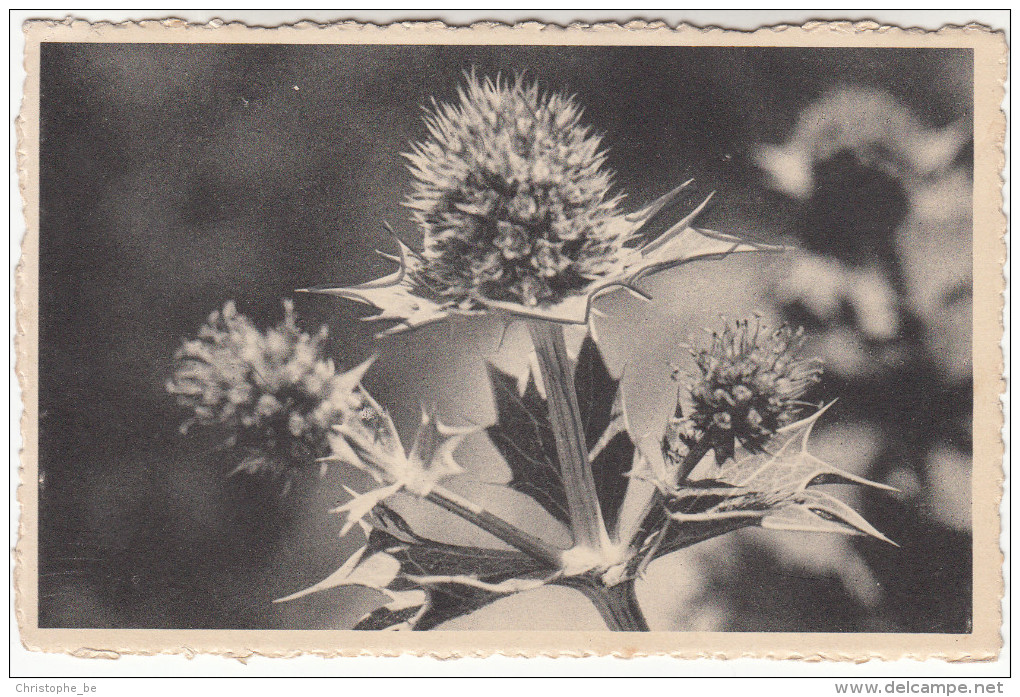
x=524 y=340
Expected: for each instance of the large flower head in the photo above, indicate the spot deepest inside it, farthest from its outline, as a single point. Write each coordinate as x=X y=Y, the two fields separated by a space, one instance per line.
x=273 y=391
x=747 y=385
x=513 y=197
x=515 y=205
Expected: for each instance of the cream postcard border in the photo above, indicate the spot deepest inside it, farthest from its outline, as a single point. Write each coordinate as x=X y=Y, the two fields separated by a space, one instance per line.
x=983 y=643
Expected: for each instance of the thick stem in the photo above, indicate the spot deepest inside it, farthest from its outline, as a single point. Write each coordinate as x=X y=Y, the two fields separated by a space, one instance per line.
x=586 y=521
x=617 y=604
x=512 y=535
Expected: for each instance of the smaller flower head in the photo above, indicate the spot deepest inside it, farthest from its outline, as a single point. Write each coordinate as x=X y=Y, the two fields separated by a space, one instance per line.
x=273 y=391
x=747 y=385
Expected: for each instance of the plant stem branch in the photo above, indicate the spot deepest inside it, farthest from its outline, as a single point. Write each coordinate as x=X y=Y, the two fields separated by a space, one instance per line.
x=586 y=522
x=511 y=534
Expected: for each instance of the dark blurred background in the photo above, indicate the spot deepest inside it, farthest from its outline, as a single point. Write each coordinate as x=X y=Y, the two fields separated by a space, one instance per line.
x=175 y=177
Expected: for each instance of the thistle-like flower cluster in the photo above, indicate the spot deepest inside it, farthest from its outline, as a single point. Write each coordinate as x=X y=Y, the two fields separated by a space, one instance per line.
x=512 y=196
x=273 y=391
x=748 y=384
x=514 y=203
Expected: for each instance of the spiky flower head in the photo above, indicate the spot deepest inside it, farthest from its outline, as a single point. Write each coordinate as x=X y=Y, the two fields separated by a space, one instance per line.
x=513 y=197
x=748 y=384
x=514 y=201
x=272 y=391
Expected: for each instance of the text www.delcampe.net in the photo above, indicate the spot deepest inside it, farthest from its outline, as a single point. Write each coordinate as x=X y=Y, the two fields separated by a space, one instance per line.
x=908 y=687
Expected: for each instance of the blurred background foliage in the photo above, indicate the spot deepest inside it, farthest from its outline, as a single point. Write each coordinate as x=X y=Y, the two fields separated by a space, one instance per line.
x=175 y=177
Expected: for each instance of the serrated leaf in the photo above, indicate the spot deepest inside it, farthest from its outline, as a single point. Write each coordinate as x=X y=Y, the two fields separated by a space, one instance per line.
x=816 y=511
x=427 y=582
x=365 y=568
x=524 y=437
x=596 y=391
x=610 y=447
x=609 y=468
x=420 y=556
x=696 y=502
x=378 y=451
x=672 y=537
x=450 y=597
x=770 y=490
x=436 y=568
x=429 y=608
x=399 y=296
x=392 y=616
x=787 y=466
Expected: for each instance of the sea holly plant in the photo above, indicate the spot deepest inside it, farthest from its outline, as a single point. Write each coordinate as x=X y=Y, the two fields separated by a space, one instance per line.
x=519 y=221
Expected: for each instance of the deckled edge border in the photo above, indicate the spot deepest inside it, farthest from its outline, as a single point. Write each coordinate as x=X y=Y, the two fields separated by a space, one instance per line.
x=27 y=347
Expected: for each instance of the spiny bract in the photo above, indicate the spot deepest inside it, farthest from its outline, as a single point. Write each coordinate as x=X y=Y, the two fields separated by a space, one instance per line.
x=512 y=196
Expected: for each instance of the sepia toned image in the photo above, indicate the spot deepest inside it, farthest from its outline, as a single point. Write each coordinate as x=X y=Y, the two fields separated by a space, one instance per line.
x=501 y=340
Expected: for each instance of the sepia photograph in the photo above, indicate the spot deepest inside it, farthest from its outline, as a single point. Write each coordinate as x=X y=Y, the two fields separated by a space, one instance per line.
x=473 y=336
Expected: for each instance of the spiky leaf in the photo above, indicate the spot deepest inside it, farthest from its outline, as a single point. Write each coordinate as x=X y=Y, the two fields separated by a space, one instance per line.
x=605 y=427
x=596 y=391
x=609 y=466
x=426 y=582
x=524 y=435
x=770 y=489
x=374 y=446
x=787 y=466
